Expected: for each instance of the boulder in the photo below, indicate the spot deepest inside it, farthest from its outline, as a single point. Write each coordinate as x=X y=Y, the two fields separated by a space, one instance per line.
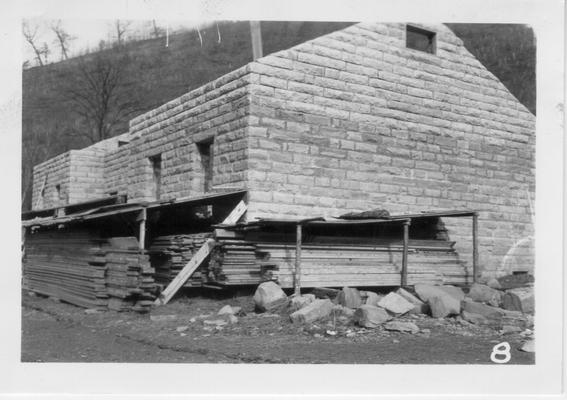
x=317 y=309
x=493 y=283
x=395 y=303
x=484 y=294
x=370 y=298
x=341 y=310
x=520 y=299
x=443 y=306
x=454 y=291
x=269 y=296
x=473 y=318
x=528 y=346
x=419 y=306
x=515 y=281
x=370 y=316
x=349 y=297
x=487 y=312
x=508 y=329
x=229 y=310
x=401 y=326
x=442 y=300
x=298 y=302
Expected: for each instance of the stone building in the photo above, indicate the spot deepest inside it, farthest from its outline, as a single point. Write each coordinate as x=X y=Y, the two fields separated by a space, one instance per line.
x=394 y=116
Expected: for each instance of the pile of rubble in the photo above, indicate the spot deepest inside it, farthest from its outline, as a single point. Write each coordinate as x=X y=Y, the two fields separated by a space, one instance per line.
x=506 y=305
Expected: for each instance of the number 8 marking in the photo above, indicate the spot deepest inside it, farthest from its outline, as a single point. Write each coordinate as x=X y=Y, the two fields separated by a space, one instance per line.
x=501 y=349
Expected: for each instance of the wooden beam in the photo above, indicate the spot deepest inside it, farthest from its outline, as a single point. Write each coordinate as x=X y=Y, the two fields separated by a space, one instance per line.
x=297 y=277
x=142 y=236
x=475 y=246
x=405 y=255
x=197 y=259
x=236 y=214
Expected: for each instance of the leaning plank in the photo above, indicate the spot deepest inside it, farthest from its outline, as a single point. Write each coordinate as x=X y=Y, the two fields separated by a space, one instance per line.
x=186 y=272
x=197 y=259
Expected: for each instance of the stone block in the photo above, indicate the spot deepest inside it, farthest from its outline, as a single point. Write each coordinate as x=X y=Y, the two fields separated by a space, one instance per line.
x=370 y=298
x=315 y=310
x=519 y=299
x=487 y=312
x=371 y=316
x=401 y=326
x=298 y=302
x=395 y=304
x=444 y=305
x=484 y=294
x=269 y=296
x=349 y=297
x=473 y=318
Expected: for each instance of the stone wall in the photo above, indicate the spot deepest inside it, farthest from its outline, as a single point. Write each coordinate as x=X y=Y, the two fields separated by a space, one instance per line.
x=51 y=181
x=216 y=110
x=354 y=120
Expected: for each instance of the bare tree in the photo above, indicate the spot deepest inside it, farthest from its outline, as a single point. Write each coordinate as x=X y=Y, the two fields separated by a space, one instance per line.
x=62 y=39
x=121 y=28
x=101 y=95
x=156 y=30
x=30 y=35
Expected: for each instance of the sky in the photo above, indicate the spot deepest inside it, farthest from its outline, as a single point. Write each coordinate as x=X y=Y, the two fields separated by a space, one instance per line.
x=87 y=34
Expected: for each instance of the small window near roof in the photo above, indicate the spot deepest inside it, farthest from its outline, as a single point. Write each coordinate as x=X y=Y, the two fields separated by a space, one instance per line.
x=420 y=39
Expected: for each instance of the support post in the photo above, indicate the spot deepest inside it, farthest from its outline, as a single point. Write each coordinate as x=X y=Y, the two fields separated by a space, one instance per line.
x=475 y=246
x=142 y=236
x=297 y=277
x=256 y=35
x=405 y=254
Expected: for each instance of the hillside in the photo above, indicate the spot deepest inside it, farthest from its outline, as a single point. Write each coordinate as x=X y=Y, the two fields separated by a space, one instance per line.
x=154 y=74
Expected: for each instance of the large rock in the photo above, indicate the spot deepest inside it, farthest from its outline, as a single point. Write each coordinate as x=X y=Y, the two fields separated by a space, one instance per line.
x=370 y=298
x=401 y=326
x=395 y=303
x=298 y=302
x=269 y=296
x=520 y=299
x=493 y=283
x=229 y=310
x=419 y=307
x=317 y=309
x=515 y=281
x=487 y=312
x=528 y=346
x=454 y=291
x=442 y=300
x=444 y=305
x=349 y=297
x=473 y=318
x=484 y=294
x=370 y=316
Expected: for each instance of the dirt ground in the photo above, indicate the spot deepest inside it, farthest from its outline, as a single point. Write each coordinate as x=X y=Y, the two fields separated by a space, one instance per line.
x=53 y=331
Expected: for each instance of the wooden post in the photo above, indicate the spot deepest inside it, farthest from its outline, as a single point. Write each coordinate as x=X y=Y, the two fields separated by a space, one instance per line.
x=475 y=246
x=297 y=280
x=142 y=236
x=405 y=254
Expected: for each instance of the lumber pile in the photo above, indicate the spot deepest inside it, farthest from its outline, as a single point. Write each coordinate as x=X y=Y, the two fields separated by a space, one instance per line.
x=170 y=253
x=253 y=257
x=81 y=268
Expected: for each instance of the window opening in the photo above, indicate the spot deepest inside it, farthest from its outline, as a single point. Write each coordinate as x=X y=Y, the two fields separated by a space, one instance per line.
x=420 y=39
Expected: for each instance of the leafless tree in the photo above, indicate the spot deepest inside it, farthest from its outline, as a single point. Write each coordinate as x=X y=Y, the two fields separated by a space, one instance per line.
x=63 y=39
x=30 y=35
x=101 y=95
x=121 y=28
x=156 y=30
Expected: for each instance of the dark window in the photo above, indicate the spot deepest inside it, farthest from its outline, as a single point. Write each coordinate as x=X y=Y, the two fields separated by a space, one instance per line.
x=60 y=195
x=206 y=154
x=420 y=39
x=156 y=175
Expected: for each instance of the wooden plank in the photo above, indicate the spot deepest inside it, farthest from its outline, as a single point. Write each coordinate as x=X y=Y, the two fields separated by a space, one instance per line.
x=198 y=258
x=185 y=273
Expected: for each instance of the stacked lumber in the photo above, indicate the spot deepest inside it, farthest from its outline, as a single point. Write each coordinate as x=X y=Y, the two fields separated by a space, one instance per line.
x=170 y=253
x=129 y=276
x=68 y=266
x=80 y=268
x=249 y=258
